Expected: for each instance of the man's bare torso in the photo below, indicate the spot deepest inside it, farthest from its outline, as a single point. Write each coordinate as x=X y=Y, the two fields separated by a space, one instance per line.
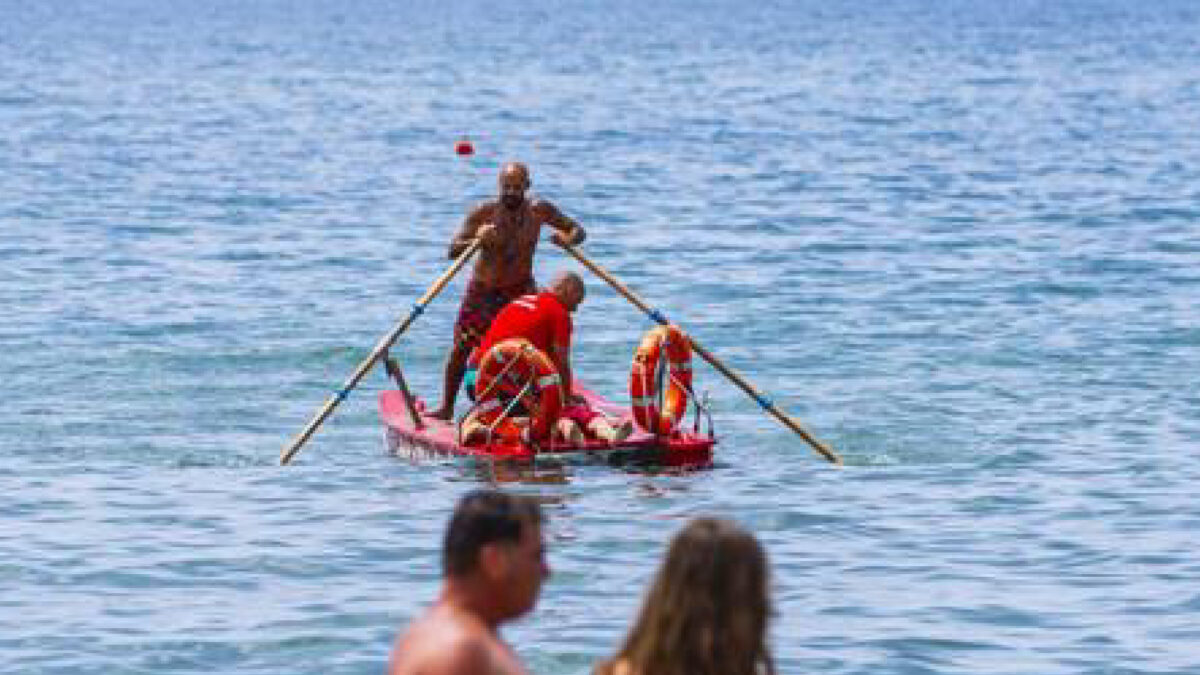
x=512 y=262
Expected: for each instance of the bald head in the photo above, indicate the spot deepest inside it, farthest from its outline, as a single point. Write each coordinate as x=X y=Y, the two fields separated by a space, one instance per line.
x=514 y=181
x=515 y=171
x=568 y=286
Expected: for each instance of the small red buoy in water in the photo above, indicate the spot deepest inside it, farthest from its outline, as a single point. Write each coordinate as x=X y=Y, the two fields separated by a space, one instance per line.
x=464 y=148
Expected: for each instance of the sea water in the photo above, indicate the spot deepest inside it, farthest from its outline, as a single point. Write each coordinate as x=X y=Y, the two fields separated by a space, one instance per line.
x=958 y=241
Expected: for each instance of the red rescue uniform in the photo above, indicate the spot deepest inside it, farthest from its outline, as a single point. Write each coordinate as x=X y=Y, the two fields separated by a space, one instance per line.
x=540 y=318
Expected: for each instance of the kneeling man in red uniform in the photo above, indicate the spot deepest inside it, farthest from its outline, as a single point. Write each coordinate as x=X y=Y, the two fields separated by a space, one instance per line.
x=544 y=319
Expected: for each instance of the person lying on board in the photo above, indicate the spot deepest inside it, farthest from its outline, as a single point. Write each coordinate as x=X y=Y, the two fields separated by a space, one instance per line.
x=577 y=423
x=507 y=228
x=493 y=568
x=580 y=421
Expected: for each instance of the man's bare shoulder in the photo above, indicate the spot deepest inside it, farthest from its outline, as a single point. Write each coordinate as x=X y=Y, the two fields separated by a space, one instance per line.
x=444 y=643
x=468 y=656
x=543 y=209
x=483 y=209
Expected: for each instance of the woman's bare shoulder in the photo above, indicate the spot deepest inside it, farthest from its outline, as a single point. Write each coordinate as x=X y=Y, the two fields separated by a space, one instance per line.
x=618 y=667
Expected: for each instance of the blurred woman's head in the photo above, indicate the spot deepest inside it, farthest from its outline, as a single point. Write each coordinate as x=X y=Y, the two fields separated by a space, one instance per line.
x=707 y=608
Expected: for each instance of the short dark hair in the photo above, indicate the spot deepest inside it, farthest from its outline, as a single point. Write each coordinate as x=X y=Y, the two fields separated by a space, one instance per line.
x=481 y=518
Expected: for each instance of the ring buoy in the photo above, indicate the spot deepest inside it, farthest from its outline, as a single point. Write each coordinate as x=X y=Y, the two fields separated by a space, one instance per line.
x=507 y=370
x=644 y=379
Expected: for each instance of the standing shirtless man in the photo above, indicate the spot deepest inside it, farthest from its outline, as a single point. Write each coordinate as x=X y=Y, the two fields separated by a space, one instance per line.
x=493 y=566
x=507 y=229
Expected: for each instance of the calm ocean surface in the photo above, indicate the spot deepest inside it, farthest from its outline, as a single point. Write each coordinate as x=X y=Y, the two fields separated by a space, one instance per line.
x=960 y=241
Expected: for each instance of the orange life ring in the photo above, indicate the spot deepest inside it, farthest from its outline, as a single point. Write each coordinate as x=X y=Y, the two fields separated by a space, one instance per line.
x=644 y=379
x=514 y=368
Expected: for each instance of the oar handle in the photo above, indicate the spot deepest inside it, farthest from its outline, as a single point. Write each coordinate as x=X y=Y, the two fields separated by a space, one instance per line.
x=384 y=344
x=741 y=382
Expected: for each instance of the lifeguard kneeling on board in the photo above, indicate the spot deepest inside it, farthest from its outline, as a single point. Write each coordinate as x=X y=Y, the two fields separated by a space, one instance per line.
x=520 y=375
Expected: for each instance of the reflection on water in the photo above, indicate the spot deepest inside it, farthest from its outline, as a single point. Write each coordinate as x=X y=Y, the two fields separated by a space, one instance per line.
x=496 y=472
x=544 y=469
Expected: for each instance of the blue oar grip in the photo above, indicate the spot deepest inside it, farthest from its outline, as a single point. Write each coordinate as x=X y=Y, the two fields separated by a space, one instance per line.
x=341 y=394
x=764 y=401
x=418 y=309
x=658 y=316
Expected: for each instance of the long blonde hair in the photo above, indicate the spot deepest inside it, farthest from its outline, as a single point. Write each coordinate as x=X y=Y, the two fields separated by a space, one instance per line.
x=707 y=609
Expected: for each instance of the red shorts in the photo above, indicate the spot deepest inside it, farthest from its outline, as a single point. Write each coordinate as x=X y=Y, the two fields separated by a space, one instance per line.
x=480 y=305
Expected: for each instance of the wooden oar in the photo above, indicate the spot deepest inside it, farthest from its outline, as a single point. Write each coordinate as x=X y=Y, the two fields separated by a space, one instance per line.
x=741 y=382
x=383 y=345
